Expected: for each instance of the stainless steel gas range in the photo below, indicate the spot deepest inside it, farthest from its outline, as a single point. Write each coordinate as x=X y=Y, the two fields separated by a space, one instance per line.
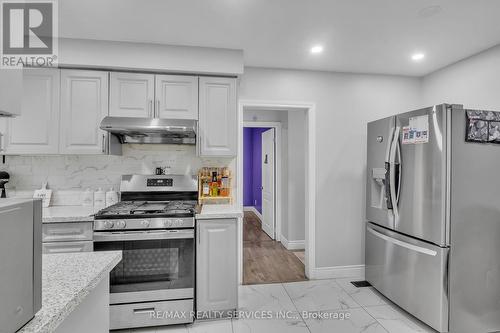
x=153 y=225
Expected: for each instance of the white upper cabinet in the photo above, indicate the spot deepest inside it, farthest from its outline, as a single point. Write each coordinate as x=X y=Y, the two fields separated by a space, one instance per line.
x=84 y=103
x=176 y=97
x=131 y=94
x=11 y=89
x=35 y=130
x=218 y=117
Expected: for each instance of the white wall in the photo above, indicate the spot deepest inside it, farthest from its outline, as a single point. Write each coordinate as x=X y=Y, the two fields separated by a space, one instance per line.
x=344 y=104
x=296 y=175
x=473 y=82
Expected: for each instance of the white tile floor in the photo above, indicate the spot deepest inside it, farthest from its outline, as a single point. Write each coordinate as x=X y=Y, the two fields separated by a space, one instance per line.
x=368 y=311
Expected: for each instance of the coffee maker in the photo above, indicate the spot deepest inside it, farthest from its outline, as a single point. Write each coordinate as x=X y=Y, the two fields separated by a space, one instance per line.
x=4 y=179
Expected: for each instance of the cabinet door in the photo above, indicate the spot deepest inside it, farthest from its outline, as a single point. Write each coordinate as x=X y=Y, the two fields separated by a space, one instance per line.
x=217 y=271
x=84 y=103
x=131 y=94
x=11 y=90
x=176 y=97
x=218 y=117
x=35 y=131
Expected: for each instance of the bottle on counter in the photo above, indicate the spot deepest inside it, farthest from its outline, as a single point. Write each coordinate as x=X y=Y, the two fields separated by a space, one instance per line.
x=111 y=197
x=214 y=185
x=205 y=187
x=88 y=198
x=99 y=199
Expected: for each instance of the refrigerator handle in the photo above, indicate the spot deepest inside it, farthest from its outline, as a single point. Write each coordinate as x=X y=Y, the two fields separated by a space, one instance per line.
x=394 y=173
x=387 y=181
x=398 y=166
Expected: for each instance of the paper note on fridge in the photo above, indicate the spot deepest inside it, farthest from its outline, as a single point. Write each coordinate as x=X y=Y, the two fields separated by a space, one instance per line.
x=417 y=131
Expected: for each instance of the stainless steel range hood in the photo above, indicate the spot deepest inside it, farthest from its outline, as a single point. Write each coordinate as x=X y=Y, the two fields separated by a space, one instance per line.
x=151 y=130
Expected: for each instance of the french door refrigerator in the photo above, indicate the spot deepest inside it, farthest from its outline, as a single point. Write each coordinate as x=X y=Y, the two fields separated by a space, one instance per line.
x=433 y=216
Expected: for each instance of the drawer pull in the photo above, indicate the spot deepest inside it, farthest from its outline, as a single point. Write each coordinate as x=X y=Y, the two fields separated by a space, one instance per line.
x=144 y=310
x=66 y=232
x=403 y=244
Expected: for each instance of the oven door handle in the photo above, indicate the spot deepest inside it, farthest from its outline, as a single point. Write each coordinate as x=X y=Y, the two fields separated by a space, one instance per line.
x=110 y=236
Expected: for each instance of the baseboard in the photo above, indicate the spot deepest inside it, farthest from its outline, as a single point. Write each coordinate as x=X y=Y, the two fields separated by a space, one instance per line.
x=253 y=210
x=336 y=272
x=292 y=245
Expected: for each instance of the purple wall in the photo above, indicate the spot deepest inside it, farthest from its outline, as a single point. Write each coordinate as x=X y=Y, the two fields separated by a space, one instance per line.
x=252 y=168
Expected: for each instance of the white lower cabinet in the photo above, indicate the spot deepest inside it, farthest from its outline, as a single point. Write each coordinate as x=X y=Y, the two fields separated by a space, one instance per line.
x=84 y=103
x=217 y=266
x=67 y=247
x=67 y=237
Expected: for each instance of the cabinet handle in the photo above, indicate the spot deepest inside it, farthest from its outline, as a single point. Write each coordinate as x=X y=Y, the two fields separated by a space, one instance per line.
x=157 y=113
x=104 y=143
x=150 y=111
x=1 y=142
x=144 y=310
x=199 y=233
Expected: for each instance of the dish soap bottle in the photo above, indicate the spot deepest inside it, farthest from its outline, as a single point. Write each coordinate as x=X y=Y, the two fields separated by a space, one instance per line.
x=88 y=198
x=99 y=200
x=111 y=197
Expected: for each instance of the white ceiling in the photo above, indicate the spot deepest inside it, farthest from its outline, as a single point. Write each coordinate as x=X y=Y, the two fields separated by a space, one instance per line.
x=363 y=36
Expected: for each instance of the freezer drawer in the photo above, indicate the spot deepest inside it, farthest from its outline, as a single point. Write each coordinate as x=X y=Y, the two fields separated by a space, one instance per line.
x=411 y=273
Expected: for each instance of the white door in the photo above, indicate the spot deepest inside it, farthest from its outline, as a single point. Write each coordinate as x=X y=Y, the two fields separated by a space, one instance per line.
x=176 y=97
x=84 y=103
x=131 y=94
x=36 y=130
x=217 y=135
x=268 y=183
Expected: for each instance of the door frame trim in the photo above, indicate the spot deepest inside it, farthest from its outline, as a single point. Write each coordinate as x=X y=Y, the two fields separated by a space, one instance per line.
x=278 y=178
x=310 y=222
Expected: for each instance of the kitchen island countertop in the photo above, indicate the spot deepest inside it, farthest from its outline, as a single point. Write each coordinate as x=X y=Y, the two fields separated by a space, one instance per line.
x=219 y=212
x=67 y=279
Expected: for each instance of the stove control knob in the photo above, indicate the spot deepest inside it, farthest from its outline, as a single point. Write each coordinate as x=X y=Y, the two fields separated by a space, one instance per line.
x=178 y=222
x=167 y=223
x=108 y=224
x=145 y=223
x=121 y=224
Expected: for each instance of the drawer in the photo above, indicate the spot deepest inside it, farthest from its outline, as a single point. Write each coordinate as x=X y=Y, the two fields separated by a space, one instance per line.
x=151 y=314
x=66 y=247
x=411 y=273
x=67 y=232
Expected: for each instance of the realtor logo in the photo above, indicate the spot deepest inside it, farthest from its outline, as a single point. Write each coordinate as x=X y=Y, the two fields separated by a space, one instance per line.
x=29 y=33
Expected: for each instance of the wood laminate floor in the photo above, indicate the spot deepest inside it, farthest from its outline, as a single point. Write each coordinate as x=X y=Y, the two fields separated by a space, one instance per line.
x=265 y=260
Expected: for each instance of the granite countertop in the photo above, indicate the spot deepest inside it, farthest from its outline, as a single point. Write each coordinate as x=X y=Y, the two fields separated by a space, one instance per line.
x=219 y=212
x=67 y=278
x=68 y=214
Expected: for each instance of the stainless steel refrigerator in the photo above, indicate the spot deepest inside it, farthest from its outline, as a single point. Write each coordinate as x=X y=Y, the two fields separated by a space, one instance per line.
x=433 y=216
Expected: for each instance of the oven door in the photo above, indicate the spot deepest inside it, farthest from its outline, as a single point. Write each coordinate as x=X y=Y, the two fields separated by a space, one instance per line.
x=157 y=265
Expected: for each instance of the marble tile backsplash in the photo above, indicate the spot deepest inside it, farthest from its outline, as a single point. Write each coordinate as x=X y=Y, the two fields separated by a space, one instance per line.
x=69 y=175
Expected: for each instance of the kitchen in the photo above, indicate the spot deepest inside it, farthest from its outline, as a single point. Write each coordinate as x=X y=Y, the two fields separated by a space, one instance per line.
x=134 y=122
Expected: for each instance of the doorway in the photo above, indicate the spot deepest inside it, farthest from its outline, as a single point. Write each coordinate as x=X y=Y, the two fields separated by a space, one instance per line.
x=259 y=190
x=268 y=256
x=309 y=187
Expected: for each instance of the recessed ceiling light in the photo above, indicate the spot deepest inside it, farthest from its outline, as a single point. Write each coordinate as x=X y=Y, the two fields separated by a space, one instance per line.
x=316 y=49
x=430 y=11
x=418 y=57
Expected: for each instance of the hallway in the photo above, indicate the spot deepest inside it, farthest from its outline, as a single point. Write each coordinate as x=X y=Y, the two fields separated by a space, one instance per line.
x=266 y=260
